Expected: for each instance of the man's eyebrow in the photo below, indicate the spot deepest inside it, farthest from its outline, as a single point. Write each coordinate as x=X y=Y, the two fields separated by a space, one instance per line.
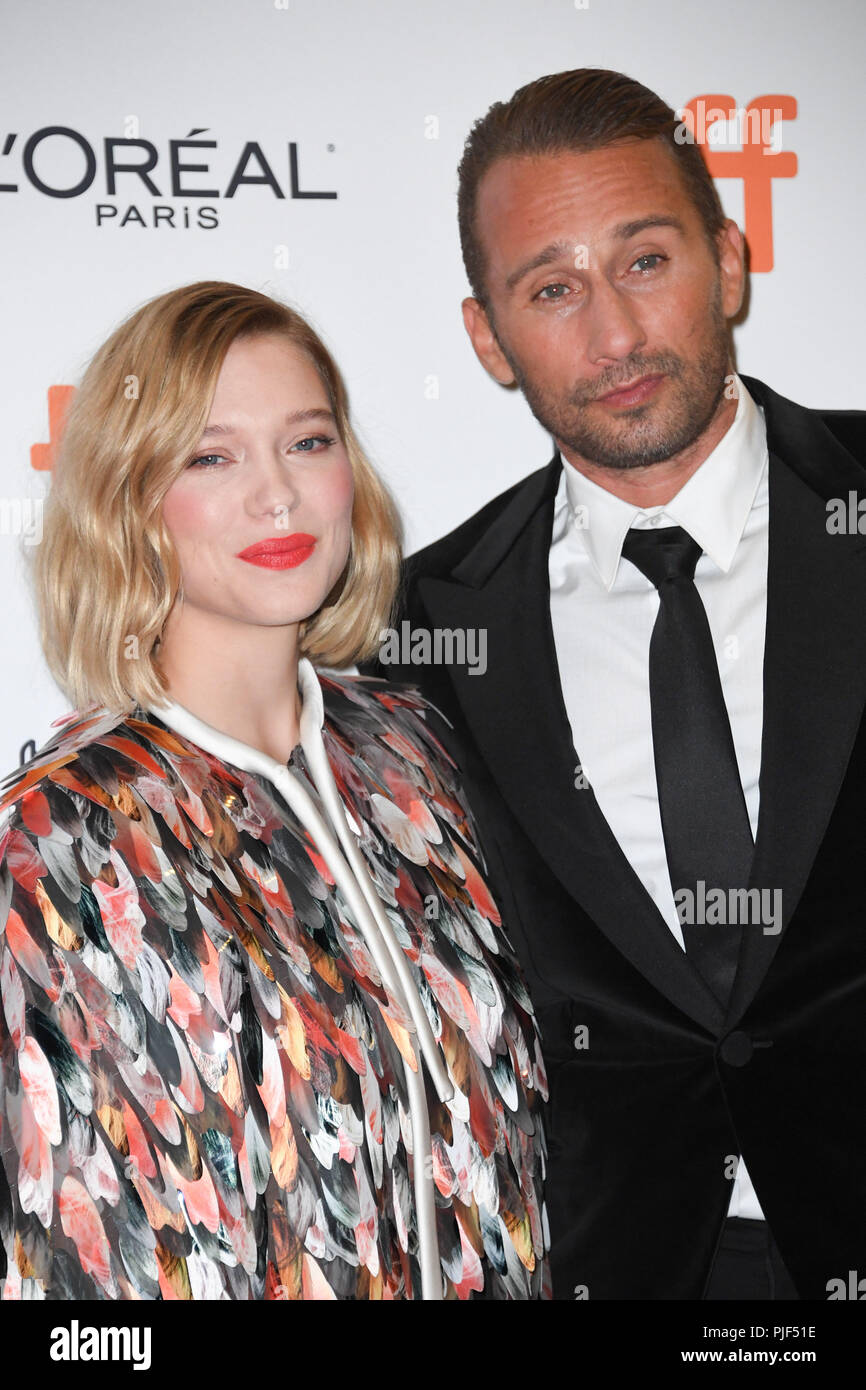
x=558 y=249
x=554 y=252
x=295 y=417
x=640 y=224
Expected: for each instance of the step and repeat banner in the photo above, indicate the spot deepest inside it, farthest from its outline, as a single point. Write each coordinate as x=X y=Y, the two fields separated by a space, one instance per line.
x=308 y=149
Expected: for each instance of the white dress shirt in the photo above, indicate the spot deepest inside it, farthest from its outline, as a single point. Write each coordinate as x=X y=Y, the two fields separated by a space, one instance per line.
x=603 y=610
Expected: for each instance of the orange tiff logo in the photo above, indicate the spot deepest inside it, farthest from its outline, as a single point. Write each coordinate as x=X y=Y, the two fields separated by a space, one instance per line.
x=42 y=455
x=706 y=120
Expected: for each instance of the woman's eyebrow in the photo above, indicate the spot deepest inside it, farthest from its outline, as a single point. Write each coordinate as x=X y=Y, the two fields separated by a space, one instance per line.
x=294 y=417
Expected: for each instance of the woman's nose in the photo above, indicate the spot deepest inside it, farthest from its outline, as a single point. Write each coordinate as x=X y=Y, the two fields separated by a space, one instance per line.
x=273 y=484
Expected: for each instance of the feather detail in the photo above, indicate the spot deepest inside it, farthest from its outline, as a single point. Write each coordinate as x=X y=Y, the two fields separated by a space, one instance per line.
x=40 y=1089
x=203 y=1091
x=81 y=1222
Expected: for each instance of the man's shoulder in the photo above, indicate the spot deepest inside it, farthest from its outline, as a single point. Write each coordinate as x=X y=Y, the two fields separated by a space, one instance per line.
x=442 y=555
x=848 y=427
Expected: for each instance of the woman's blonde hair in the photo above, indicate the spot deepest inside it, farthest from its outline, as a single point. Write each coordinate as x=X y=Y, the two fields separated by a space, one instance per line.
x=106 y=572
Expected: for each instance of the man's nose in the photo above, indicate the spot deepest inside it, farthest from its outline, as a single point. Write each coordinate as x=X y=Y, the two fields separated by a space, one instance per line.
x=615 y=331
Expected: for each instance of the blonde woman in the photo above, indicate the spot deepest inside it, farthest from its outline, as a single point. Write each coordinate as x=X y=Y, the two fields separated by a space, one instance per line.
x=262 y=1033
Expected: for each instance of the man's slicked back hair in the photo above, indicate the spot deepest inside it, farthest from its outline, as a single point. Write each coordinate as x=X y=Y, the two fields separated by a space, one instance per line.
x=574 y=112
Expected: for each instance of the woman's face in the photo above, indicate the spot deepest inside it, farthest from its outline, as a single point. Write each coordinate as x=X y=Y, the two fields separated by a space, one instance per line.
x=261 y=516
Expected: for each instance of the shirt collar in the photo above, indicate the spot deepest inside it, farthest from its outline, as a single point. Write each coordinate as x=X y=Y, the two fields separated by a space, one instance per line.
x=712 y=505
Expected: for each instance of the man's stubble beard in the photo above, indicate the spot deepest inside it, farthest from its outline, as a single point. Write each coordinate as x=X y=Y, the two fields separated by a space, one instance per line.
x=644 y=437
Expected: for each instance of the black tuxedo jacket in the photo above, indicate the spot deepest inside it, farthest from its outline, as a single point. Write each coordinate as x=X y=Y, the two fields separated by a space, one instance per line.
x=652 y=1101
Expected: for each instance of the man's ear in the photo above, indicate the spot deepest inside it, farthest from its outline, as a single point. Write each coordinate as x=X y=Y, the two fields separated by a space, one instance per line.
x=732 y=268
x=483 y=339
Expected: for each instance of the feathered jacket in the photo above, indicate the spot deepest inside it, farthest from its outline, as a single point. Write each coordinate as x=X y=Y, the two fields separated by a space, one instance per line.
x=242 y=1058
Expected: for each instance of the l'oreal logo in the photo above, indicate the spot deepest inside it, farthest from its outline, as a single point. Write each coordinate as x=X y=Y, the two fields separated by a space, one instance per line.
x=61 y=162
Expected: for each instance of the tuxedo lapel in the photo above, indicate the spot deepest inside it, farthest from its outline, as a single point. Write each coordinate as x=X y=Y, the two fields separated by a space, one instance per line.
x=517 y=716
x=814 y=665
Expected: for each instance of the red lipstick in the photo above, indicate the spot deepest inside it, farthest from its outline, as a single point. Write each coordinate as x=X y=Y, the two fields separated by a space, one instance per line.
x=280 y=552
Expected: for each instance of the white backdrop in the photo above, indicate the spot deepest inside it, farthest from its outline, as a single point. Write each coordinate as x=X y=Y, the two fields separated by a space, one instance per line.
x=377 y=98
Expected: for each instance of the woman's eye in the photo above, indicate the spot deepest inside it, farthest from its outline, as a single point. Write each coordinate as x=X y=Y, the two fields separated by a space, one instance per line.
x=324 y=439
x=206 y=459
x=650 y=256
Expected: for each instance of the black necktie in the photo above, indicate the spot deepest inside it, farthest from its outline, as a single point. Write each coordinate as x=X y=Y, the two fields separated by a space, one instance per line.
x=704 y=818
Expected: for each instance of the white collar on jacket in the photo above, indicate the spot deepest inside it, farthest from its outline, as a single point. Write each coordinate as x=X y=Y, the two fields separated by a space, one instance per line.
x=234 y=750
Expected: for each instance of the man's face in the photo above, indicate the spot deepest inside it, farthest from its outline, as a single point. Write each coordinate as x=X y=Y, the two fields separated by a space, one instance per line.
x=599 y=274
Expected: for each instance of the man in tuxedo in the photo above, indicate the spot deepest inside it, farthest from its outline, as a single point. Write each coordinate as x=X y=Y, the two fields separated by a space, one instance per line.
x=665 y=750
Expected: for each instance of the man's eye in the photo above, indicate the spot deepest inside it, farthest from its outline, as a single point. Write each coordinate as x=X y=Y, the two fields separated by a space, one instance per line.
x=324 y=439
x=650 y=256
x=551 y=298
x=205 y=458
